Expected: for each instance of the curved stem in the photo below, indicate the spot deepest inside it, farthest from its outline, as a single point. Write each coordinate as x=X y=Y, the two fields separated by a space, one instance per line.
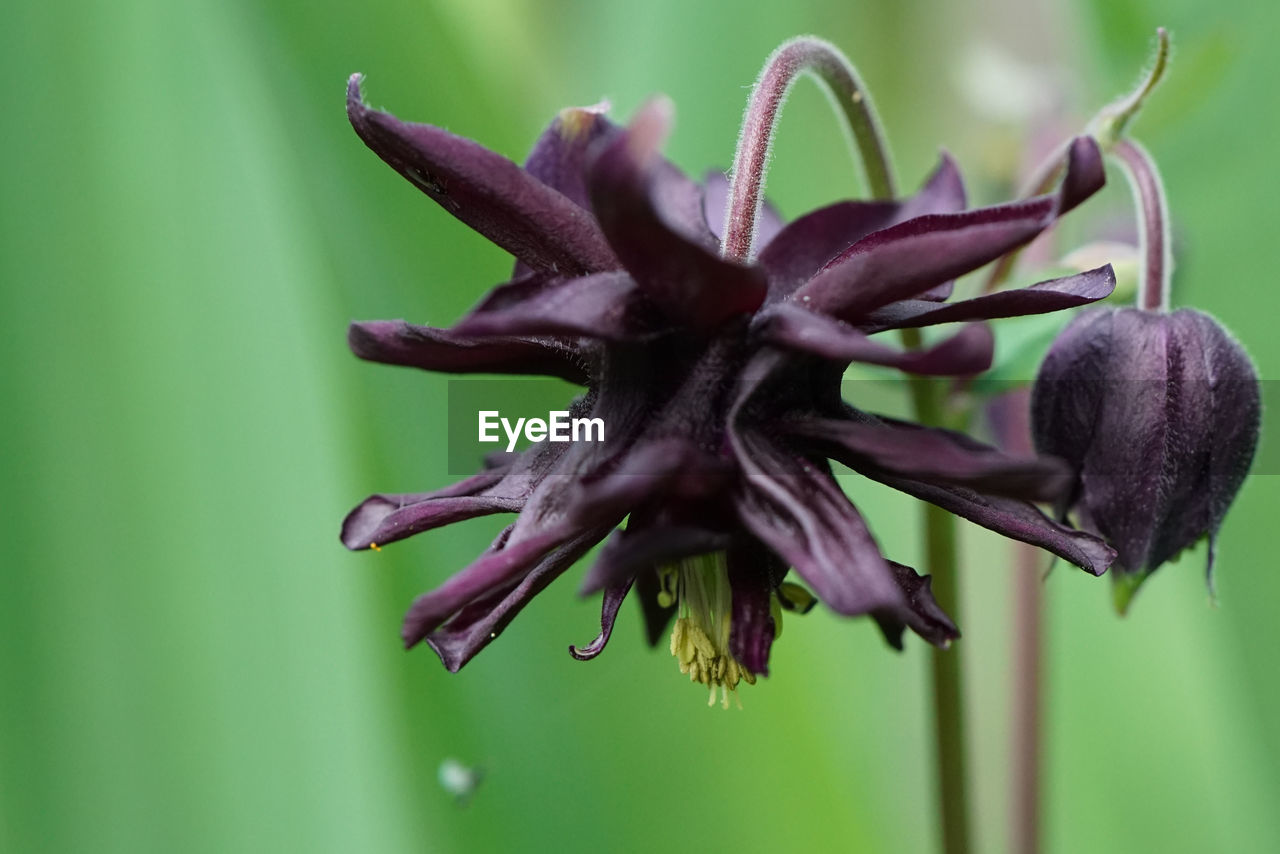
x=751 y=161
x=1153 y=217
x=1107 y=127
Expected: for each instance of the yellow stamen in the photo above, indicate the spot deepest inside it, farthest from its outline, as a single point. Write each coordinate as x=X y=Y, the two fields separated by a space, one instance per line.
x=375 y=547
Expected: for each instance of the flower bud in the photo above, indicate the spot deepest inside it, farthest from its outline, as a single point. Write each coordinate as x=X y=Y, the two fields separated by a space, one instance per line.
x=1157 y=415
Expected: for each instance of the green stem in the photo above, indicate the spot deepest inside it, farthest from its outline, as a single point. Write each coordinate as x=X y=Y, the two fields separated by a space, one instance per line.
x=948 y=694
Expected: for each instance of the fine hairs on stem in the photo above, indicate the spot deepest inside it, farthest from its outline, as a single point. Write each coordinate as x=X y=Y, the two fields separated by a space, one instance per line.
x=822 y=60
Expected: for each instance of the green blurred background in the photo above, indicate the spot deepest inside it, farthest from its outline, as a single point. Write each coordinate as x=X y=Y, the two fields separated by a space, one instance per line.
x=190 y=660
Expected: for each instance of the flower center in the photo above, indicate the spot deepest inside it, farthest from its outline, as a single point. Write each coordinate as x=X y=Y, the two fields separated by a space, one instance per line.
x=700 y=638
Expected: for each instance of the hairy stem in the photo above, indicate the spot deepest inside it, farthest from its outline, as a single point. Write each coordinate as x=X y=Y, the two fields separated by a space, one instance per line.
x=751 y=161
x=1153 y=218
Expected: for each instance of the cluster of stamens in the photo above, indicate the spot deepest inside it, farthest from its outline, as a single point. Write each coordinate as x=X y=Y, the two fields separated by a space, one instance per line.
x=700 y=638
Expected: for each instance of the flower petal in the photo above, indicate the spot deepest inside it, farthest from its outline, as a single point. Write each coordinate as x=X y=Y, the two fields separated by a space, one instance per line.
x=1040 y=298
x=502 y=564
x=804 y=246
x=752 y=571
x=559 y=158
x=605 y=306
x=795 y=507
x=395 y=342
x=1015 y=519
x=635 y=550
x=477 y=624
x=688 y=281
x=936 y=456
x=385 y=518
x=922 y=613
x=905 y=260
x=488 y=192
x=786 y=324
x=609 y=606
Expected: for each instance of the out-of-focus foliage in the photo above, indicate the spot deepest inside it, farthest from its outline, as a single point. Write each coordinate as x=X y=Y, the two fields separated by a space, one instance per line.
x=190 y=661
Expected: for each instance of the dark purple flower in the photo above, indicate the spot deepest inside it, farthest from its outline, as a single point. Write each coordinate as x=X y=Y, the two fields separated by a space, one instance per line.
x=1158 y=415
x=720 y=385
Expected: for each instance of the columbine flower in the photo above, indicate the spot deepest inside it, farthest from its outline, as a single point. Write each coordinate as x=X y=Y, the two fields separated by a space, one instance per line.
x=1157 y=413
x=719 y=383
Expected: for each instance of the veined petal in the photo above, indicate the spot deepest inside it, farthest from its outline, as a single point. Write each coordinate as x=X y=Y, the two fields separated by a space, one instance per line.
x=936 y=456
x=477 y=624
x=488 y=192
x=395 y=342
x=905 y=260
x=804 y=246
x=752 y=572
x=612 y=601
x=788 y=325
x=1015 y=519
x=1040 y=298
x=688 y=281
x=795 y=507
x=605 y=306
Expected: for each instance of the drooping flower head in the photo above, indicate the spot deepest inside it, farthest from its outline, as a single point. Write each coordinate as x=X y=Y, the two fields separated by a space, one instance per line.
x=719 y=380
x=1156 y=412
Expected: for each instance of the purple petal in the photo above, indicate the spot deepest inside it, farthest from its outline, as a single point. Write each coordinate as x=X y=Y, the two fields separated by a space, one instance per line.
x=1040 y=298
x=486 y=191
x=688 y=281
x=795 y=507
x=937 y=456
x=788 y=325
x=395 y=342
x=715 y=202
x=605 y=306
x=752 y=569
x=477 y=624
x=559 y=158
x=385 y=518
x=1015 y=519
x=632 y=551
x=905 y=260
x=922 y=613
x=492 y=571
x=609 y=606
x=804 y=246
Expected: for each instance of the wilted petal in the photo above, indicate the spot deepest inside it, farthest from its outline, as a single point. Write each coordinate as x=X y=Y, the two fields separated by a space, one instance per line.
x=687 y=279
x=481 y=621
x=788 y=325
x=937 y=456
x=382 y=519
x=804 y=246
x=905 y=260
x=395 y=342
x=633 y=551
x=1015 y=519
x=605 y=306
x=1040 y=298
x=488 y=192
x=609 y=606
x=922 y=614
